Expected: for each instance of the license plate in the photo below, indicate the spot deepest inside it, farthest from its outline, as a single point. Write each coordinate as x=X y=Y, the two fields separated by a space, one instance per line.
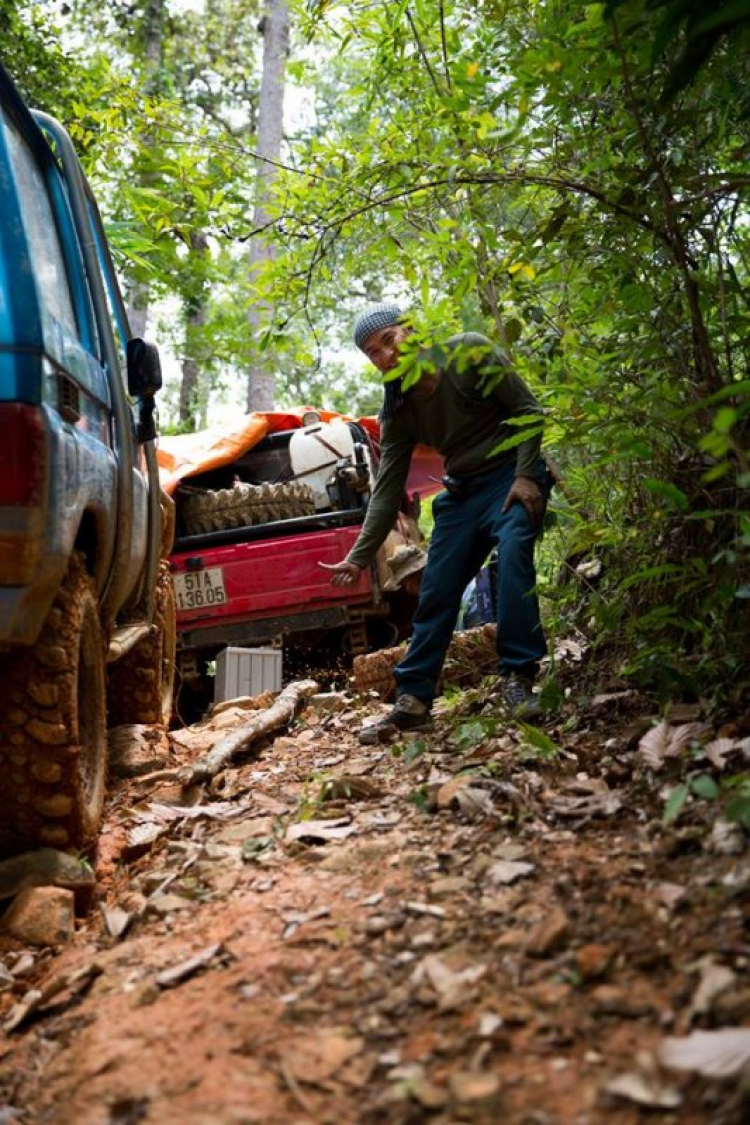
x=200 y=589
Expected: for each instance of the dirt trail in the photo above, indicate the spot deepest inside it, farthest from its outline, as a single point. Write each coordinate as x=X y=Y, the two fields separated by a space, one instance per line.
x=481 y=924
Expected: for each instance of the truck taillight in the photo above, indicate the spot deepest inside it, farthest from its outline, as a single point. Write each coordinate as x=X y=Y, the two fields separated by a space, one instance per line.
x=23 y=451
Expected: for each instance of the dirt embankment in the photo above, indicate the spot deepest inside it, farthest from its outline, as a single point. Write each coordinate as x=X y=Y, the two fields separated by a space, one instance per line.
x=483 y=923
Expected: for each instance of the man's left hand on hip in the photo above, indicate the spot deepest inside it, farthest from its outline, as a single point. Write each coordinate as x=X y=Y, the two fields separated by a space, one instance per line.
x=527 y=492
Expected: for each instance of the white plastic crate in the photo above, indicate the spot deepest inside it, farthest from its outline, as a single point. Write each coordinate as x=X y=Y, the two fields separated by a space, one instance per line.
x=246 y=671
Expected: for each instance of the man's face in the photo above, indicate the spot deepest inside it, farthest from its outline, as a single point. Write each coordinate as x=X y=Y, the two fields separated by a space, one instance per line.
x=382 y=347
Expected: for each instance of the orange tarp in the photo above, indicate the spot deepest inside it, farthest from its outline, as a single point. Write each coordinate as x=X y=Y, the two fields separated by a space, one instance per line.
x=184 y=455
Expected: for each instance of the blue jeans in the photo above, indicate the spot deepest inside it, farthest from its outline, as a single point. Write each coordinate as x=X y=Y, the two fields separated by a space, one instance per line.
x=466 y=530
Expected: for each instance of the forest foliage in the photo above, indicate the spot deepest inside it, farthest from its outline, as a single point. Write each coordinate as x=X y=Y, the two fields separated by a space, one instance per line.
x=567 y=177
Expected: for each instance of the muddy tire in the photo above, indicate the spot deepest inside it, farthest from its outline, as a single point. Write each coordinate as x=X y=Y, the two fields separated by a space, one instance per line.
x=245 y=505
x=141 y=683
x=53 y=735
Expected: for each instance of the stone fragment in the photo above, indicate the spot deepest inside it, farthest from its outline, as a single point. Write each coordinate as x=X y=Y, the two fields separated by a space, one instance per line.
x=448 y=885
x=504 y=872
x=144 y=993
x=44 y=867
x=16 y=716
x=167 y=903
x=551 y=934
x=41 y=916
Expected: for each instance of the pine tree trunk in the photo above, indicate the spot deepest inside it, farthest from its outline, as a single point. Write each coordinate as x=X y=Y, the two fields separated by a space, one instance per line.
x=275 y=27
x=195 y=318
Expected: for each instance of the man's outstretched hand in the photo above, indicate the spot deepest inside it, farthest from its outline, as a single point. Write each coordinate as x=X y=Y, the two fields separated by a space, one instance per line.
x=527 y=492
x=344 y=573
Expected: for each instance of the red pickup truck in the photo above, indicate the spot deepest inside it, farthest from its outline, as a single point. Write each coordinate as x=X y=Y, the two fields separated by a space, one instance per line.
x=254 y=521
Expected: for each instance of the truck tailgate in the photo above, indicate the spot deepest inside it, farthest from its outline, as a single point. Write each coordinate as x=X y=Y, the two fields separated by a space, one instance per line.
x=266 y=578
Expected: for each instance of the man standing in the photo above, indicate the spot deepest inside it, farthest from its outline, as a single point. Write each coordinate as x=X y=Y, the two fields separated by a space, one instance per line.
x=462 y=406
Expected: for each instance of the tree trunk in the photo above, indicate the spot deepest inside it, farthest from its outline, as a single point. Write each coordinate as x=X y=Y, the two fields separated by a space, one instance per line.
x=153 y=31
x=275 y=27
x=138 y=308
x=195 y=318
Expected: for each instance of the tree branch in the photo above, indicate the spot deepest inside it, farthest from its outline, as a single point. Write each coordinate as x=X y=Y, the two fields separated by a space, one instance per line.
x=423 y=53
x=444 y=46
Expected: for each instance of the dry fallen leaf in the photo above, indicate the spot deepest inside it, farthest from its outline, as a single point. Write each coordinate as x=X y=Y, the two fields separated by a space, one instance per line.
x=719 y=750
x=317 y=1058
x=116 y=920
x=506 y=871
x=471 y=797
x=724 y=1053
x=477 y=1090
x=665 y=741
x=715 y=979
x=452 y=986
x=644 y=1089
x=350 y=787
x=320 y=830
x=178 y=973
x=597 y=804
x=75 y=981
x=669 y=895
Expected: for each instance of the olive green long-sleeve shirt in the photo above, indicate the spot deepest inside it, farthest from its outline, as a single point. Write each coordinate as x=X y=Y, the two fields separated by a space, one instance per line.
x=464 y=419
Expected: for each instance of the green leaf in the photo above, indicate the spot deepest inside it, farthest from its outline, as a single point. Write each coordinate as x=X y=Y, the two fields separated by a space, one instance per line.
x=675 y=803
x=470 y=735
x=705 y=786
x=667 y=491
x=255 y=847
x=737 y=809
x=539 y=740
x=414 y=749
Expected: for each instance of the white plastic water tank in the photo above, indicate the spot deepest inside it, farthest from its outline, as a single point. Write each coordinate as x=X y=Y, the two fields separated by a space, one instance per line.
x=314 y=451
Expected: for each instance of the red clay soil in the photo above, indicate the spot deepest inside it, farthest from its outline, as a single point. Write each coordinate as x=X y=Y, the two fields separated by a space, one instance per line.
x=472 y=925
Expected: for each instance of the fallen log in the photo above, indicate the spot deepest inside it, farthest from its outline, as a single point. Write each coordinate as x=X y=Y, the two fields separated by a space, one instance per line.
x=277 y=715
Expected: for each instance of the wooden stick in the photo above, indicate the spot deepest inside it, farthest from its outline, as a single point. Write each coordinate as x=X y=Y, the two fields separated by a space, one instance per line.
x=280 y=712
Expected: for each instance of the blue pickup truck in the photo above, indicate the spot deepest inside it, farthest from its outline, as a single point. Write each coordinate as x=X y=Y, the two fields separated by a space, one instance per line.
x=87 y=634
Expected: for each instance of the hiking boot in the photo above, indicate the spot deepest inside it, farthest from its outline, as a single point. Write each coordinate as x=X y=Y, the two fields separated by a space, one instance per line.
x=517 y=693
x=408 y=713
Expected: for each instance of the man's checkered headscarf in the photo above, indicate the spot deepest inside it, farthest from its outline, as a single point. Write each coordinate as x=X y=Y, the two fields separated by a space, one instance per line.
x=373 y=319
x=384 y=315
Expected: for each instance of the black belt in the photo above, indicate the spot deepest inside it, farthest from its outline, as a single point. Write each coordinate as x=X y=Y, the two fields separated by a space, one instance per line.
x=466 y=484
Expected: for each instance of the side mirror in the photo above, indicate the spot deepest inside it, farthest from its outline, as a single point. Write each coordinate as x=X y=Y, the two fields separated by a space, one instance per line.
x=144 y=369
